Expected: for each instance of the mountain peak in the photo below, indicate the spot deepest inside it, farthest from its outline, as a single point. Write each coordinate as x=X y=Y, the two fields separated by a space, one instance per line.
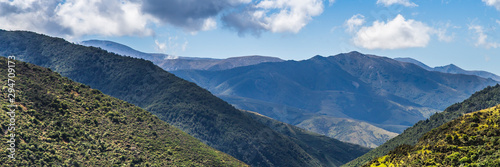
x=355 y=52
x=318 y=57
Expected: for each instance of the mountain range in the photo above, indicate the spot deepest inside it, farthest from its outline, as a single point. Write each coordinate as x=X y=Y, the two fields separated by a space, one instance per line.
x=366 y=89
x=63 y=123
x=341 y=127
x=451 y=68
x=182 y=104
x=171 y=63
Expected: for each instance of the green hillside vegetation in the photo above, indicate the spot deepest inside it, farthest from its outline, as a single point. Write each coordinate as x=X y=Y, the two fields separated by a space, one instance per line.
x=178 y=102
x=486 y=98
x=471 y=140
x=329 y=151
x=63 y=123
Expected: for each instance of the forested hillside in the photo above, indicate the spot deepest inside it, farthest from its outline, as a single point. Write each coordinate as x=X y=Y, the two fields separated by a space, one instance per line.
x=471 y=140
x=59 y=122
x=483 y=99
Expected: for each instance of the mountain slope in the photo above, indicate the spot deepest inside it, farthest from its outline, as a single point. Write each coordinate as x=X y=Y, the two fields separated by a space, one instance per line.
x=124 y=50
x=176 y=101
x=427 y=88
x=416 y=62
x=452 y=69
x=170 y=63
x=471 y=140
x=348 y=130
x=325 y=148
x=63 y=123
x=483 y=99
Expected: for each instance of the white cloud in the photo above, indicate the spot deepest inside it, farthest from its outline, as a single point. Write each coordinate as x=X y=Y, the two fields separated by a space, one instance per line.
x=494 y=3
x=293 y=15
x=209 y=24
x=330 y=2
x=103 y=17
x=184 y=46
x=395 y=34
x=482 y=38
x=442 y=33
x=161 y=47
x=406 y=3
x=354 y=22
x=498 y=22
x=29 y=15
x=173 y=45
x=75 y=18
x=277 y=16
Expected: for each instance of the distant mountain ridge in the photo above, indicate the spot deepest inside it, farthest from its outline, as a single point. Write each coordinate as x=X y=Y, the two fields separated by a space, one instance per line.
x=451 y=68
x=175 y=101
x=171 y=63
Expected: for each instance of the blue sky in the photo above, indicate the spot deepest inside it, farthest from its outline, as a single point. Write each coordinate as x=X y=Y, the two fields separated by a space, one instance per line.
x=436 y=32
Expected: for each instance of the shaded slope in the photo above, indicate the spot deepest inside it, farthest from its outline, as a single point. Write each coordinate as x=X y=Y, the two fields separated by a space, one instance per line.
x=63 y=123
x=176 y=101
x=471 y=140
x=483 y=99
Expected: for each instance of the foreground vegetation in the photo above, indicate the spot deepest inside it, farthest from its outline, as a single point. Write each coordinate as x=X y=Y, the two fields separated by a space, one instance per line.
x=63 y=123
x=486 y=98
x=471 y=140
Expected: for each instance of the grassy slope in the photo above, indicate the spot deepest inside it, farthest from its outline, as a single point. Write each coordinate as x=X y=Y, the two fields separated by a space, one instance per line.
x=348 y=130
x=483 y=99
x=61 y=122
x=471 y=140
x=176 y=101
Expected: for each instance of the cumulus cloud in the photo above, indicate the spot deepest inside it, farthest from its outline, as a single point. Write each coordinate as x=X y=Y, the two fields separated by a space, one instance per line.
x=30 y=15
x=74 y=18
x=354 y=22
x=494 y=3
x=276 y=16
x=406 y=3
x=395 y=34
x=104 y=17
x=482 y=38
